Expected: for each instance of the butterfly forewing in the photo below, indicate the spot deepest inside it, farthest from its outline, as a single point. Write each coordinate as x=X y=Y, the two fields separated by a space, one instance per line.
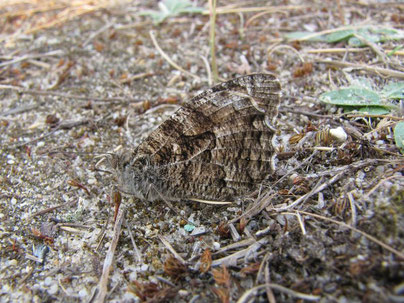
x=217 y=146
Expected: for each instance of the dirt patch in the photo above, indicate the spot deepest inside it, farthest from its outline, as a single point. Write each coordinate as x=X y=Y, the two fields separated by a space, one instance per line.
x=80 y=80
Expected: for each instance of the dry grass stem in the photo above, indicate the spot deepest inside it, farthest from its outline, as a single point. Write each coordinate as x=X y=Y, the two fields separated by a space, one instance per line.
x=349 y=115
x=138 y=255
x=353 y=208
x=372 y=69
x=276 y=48
x=246 y=297
x=336 y=50
x=54 y=53
x=301 y=224
x=267 y=9
x=382 y=56
x=171 y=249
x=212 y=40
x=236 y=245
x=168 y=59
x=109 y=258
x=49 y=209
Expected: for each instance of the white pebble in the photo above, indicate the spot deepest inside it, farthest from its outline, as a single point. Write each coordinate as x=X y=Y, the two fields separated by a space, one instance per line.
x=144 y=267
x=53 y=289
x=91 y=181
x=83 y=293
x=48 y=281
x=13 y=262
x=339 y=134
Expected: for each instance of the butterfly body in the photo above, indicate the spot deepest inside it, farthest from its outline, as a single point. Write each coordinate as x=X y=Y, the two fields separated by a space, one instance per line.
x=217 y=146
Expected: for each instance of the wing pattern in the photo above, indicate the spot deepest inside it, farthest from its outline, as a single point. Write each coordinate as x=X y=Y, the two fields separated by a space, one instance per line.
x=217 y=146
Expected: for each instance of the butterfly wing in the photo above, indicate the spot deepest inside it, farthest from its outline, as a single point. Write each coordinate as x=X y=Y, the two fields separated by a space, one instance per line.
x=216 y=146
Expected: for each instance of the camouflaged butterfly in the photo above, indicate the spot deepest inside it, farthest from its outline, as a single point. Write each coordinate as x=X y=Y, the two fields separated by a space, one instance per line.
x=216 y=147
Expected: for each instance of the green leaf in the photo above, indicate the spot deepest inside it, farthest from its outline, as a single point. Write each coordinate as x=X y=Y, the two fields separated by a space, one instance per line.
x=371 y=34
x=399 y=136
x=386 y=34
x=393 y=90
x=362 y=83
x=362 y=97
x=180 y=6
x=374 y=110
x=171 y=8
x=339 y=36
x=353 y=96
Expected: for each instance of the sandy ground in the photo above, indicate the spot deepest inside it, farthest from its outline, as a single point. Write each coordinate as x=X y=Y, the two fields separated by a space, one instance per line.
x=82 y=80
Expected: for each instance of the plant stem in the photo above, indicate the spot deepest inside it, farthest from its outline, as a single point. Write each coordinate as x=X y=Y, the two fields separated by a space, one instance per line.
x=212 y=11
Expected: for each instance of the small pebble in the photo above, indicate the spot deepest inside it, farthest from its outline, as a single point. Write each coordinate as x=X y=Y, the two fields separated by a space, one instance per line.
x=53 y=289
x=83 y=293
x=48 y=281
x=144 y=267
x=13 y=262
x=339 y=134
x=198 y=231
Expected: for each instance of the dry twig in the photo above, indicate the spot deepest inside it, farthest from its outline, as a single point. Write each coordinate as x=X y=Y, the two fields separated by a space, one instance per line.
x=373 y=69
x=253 y=291
x=171 y=249
x=103 y=283
x=44 y=211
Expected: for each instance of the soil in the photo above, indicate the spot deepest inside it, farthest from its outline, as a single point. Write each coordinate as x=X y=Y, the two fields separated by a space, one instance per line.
x=82 y=80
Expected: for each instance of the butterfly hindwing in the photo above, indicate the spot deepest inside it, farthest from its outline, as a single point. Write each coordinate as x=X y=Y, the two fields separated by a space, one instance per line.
x=216 y=146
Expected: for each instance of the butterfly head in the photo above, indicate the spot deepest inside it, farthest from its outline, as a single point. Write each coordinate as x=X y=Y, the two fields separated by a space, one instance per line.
x=131 y=172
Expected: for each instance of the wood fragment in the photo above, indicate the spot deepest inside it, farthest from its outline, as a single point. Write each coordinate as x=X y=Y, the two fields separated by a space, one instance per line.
x=103 y=283
x=232 y=259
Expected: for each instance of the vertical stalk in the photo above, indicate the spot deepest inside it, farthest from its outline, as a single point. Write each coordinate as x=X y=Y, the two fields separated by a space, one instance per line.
x=212 y=14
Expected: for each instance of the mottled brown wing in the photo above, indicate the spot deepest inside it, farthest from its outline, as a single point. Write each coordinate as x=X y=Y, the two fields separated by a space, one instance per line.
x=215 y=147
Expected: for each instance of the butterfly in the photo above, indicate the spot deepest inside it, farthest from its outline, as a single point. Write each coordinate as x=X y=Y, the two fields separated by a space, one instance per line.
x=216 y=147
